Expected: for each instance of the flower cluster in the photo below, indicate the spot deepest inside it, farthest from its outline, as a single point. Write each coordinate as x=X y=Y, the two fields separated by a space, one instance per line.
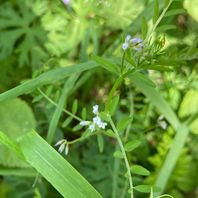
x=137 y=43
x=97 y=121
x=63 y=145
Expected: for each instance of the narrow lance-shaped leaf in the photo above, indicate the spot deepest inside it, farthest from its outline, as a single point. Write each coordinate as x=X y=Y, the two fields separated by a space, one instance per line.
x=131 y=145
x=113 y=104
x=100 y=142
x=144 y=28
x=46 y=78
x=156 y=11
x=122 y=124
x=54 y=122
x=106 y=64
x=155 y=98
x=54 y=168
x=166 y=2
x=75 y=106
x=139 y=170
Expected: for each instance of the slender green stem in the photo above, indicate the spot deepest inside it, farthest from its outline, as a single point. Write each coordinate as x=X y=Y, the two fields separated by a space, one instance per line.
x=124 y=155
x=116 y=167
x=130 y=115
x=165 y=195
x=115 y=86
x=83 y=137
x=122 y=64
x=55 y=104
x=158 y=21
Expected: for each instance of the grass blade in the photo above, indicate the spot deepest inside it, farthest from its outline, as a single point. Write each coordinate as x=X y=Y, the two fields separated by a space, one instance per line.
x=54 y=122
x=22 y=172
x=68 y=182
x=155 y=98
x=46 y=78
x=171 y=158
x=181 y=131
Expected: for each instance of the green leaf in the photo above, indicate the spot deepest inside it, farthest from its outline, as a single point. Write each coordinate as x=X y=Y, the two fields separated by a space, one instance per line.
x=146 y=188
x=164 y=28
x=84 y=113
x=100 y=140
x=188 y=107
x=144 y=28
x=22 y=172
x=106 y=64
x=118 y=154
x=122 y=124
x=75 y=106
x=104 y=116
x=156 y=99
x=17 y=25
x=159 y=68
x=113 y=104
x=156 y=11
x=54 y=168
x=110 y=133
x=143 y=188
x=166 y=2
x=45 y=79
x=133 y=144
x=175 y=12
x=67 y=122
x=139 y=170
x=129 y=58
x=16 y=119
x=11 y=145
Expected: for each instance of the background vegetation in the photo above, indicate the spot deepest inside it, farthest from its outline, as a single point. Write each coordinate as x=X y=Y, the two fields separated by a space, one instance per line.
x=38 y=41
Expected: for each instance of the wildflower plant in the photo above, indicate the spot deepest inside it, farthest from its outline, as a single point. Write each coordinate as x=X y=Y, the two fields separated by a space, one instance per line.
x=129 y=68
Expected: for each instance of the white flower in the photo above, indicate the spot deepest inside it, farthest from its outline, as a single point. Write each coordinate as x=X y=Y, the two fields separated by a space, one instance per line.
x=97 y=120
x=67 y=149
x=84 y=123
x=60 y=142
x=63 y=146
x=92 y=127
x=102 y=125
x=95 y=109
x=162 y=123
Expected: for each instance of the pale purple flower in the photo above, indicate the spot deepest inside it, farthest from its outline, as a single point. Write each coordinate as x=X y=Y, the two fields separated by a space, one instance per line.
x=136 y=40
x=127 y=39
x=66 y=2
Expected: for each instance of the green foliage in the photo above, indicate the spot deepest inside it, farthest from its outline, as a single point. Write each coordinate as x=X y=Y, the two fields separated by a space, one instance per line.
x=16 y=119
x=137 y=60
x=15 y=26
